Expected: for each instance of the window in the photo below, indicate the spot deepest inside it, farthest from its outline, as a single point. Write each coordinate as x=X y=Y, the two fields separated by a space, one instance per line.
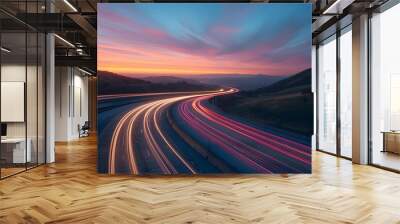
x=22 y=87
x=385 y=89
x=346 y=92
x=327 y=95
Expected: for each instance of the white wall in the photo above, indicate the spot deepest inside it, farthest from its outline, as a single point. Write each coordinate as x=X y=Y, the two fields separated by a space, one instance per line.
x=17 y=73
x=71 y=102
x=12 y=73
x=81 y=104
x=33 y=126
x=62 y=82
x=13 y=101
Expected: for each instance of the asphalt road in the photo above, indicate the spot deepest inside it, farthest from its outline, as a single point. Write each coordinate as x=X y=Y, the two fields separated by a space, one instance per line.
x=183 y=133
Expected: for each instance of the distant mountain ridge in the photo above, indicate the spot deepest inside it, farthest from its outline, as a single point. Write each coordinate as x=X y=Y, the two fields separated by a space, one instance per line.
x=170 y=79
x=112 y=83
x=242 y=82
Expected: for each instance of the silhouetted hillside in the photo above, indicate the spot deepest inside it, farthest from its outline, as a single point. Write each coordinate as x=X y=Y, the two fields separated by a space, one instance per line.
x=287 y=104
x=242 y=82
x=170 y=79
x=301 y=80
x=111 y=83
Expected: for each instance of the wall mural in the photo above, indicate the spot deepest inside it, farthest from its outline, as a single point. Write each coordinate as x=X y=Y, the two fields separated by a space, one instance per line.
x=204 y=88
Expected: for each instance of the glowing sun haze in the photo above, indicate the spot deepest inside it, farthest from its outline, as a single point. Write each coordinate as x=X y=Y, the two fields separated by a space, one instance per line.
x=191 y=39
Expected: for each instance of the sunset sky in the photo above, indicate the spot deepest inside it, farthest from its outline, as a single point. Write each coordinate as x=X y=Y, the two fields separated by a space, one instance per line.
x=191 y=39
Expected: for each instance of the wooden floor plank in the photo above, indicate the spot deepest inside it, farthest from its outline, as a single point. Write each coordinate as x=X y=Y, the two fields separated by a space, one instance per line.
x=70 y=191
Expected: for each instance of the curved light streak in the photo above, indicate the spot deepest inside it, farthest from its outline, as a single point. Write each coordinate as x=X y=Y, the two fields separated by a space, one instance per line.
x=127 y=122
x=256 y=150
x=172 y=148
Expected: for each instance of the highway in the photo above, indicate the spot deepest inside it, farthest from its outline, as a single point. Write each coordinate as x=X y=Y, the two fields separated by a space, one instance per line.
x=183 y=133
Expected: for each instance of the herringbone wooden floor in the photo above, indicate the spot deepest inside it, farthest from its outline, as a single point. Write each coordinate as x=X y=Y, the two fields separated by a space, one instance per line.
x=70 y=191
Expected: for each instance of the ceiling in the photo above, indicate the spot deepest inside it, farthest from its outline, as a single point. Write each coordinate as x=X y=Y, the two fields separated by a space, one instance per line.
x=75 y=21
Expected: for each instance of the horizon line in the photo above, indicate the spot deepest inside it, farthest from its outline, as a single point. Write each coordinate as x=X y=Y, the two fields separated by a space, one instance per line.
x=205 y=74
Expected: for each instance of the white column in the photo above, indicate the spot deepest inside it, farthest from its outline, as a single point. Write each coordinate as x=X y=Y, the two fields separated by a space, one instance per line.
x=360 y=90
x=50 y=98
x=50 y=92
x=63 y=99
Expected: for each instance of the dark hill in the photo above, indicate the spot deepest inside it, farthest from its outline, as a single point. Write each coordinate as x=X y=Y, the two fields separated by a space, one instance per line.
x=170 y=79
x=242 y=82
x=111 y=83
x=286 y=104
x=301 y=80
